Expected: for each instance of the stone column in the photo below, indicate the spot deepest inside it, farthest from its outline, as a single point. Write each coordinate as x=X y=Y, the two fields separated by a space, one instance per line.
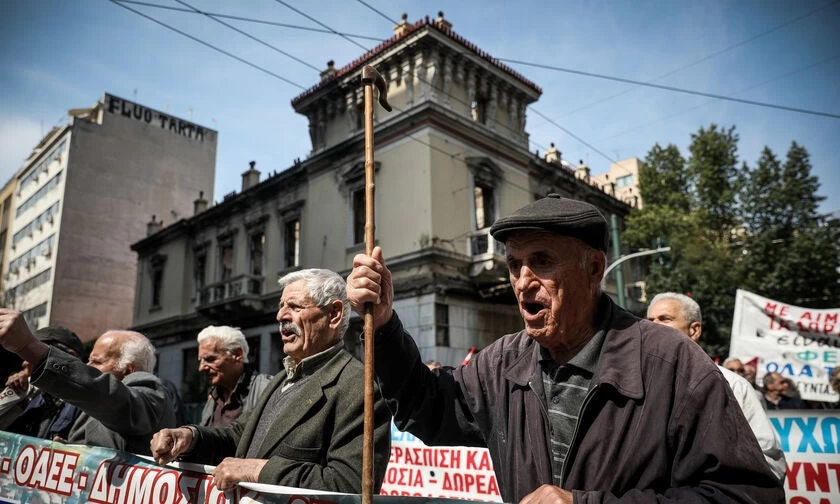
x=408 y=79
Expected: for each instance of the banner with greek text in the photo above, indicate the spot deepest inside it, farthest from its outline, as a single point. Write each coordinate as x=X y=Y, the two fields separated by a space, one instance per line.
x=802 y=344
x=36 y=471
x=811 y=442
x=415 y=469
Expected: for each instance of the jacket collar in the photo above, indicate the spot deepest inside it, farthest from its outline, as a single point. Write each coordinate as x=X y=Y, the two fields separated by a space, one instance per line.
x=620 y=363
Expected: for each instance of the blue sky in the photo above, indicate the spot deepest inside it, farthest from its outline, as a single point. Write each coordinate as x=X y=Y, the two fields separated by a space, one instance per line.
x=57 y=55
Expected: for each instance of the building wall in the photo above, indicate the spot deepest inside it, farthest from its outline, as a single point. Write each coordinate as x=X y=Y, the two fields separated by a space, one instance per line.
x=121 y=171
x=35 y=228
x=7 y=209
x=626 y=189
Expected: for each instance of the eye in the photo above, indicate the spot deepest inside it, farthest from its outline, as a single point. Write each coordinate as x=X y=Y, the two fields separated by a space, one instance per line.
x=514 y=266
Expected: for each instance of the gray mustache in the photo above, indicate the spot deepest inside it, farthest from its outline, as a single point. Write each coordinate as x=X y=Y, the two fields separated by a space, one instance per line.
x=289 y=327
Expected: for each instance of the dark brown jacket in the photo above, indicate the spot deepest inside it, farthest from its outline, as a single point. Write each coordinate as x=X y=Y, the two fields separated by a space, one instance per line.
x=659 y=425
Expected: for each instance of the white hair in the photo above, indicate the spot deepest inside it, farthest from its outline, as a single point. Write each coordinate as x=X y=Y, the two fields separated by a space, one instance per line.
x=324 y=287
x=230 y=337
x=136 y=349
x=690 y=308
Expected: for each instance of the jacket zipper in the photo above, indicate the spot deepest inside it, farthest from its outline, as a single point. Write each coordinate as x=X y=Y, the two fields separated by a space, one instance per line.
x=547 y=430
x=574 y=434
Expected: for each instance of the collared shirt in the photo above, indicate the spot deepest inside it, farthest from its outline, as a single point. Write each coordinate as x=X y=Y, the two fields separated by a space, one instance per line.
x=566 y=386
x=307 y=366
x=282 y=397
x=226 y=411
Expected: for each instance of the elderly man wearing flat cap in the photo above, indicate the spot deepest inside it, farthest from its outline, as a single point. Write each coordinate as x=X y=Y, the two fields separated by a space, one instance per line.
x=588 y=403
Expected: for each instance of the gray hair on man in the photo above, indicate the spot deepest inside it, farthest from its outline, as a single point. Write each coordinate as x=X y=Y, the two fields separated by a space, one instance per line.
x=690 y=308
x=136 y=348
x=230 y=337
x=324 y=287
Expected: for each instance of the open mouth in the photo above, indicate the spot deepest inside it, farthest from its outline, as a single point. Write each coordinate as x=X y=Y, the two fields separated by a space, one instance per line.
x=532 y=308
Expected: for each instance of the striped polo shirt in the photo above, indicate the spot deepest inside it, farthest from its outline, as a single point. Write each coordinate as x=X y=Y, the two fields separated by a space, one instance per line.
x=566 y=386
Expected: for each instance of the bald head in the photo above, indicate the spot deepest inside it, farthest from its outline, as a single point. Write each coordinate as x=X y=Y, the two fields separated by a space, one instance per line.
x=122 y=352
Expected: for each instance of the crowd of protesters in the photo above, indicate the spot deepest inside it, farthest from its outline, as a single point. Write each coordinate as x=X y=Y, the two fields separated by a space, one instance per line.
x=584 y=386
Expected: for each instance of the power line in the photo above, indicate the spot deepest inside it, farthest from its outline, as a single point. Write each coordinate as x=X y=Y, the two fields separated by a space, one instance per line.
x=704 y=104
x=207 y=44
x=374 y=9
x=707 y=57
x=565 y=130
x=307 y=16
x=255 y=39
x=247 y=19
x=670 y=88
x=253 y=65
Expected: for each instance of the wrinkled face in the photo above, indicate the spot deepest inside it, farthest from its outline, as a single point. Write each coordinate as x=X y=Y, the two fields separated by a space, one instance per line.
x=306 y=328
x=105 y=356
x=223 y=369
x=670 y=312
x=553 y=288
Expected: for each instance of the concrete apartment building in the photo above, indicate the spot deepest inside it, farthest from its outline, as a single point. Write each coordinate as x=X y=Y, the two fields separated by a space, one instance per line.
x=7 y=200
x=621 y=180
x=451 y=158
x=83 y=196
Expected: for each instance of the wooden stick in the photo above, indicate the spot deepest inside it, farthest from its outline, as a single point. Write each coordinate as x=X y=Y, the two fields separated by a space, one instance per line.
x=370 y=78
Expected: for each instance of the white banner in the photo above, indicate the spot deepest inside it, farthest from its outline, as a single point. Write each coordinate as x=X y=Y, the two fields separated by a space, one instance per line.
x=453 y=472
x=811 y=442
x=802 y=344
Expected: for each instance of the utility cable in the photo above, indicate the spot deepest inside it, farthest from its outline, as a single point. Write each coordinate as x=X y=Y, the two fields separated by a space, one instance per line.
x=707 y=57
x=671 y=88
x=207 y=44
x=248 y=19
x=744 y=90
x=255 y=39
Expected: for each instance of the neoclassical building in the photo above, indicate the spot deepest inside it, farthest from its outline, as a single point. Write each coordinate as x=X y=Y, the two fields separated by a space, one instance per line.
x=451 y=158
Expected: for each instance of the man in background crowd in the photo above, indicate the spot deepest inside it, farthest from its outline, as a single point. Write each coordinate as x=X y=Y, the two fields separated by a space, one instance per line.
x=775 y=388
x=123 y=404
x=235 y=387
x=683 y=313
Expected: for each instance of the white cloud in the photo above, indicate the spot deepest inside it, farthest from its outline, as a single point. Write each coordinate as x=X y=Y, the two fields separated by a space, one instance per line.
x=18 y=135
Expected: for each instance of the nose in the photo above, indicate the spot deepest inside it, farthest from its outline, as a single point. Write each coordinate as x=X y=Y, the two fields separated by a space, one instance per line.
x=523 y=282
x=202 y=366
x=283 y=313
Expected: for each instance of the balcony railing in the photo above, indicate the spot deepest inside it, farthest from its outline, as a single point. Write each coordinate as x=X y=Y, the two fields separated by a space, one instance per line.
x=487 y=256
x=238 y=286
x=480 y=245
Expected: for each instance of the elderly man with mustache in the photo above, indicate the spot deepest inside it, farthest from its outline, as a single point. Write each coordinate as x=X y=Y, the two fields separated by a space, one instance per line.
x=307 y=428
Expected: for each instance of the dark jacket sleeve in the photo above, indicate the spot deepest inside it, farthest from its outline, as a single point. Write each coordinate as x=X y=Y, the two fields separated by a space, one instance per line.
x=716 y=457
x=442 y=407
x=213 y=444
x=130 y=407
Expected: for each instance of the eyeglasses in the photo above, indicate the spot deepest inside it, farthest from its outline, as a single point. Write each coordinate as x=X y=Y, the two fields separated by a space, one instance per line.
x=739 y=370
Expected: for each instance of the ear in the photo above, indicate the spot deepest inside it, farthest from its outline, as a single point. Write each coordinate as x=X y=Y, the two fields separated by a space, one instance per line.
x=130 y=368
x=695 y=329
x=237 y=354
x=336 y=313
x=598 y=265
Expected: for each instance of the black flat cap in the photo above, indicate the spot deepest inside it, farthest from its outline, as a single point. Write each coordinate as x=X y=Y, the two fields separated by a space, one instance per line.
x=564 y=216
x=61 y=337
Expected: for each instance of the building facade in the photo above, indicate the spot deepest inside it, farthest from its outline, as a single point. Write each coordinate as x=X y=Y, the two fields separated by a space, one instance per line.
x=450 y=159
x=622 y=181
x=83 y=196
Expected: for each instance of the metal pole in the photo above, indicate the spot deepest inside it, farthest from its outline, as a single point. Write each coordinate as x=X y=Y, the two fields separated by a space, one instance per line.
x=619 y=275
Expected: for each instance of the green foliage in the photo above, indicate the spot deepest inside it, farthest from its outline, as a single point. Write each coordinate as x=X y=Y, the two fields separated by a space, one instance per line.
x=729 y=227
